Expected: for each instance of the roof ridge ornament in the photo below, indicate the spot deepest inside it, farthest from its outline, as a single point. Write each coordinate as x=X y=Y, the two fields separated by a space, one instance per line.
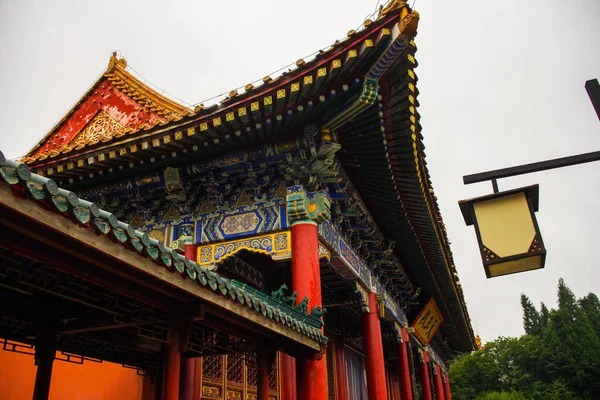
x=392 y=5
x=115 y=62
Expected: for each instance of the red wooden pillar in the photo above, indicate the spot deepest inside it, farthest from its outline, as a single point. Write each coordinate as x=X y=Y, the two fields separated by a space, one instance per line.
x=306 y=281
x=304 y=212
x=340 y=371
x=287 y=372
x=262 y=382
x=447 y=392
x=425 y=383
x=403 y=360
x=190 y=367
x=439 y=386
x=177 y=341
x=373 y=345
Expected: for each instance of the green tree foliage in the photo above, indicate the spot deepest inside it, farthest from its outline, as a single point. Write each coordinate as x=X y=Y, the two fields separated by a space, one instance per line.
x=531 y=317
x=591 y=306
x=557 y=359
x=512 y=395
x=544 y=317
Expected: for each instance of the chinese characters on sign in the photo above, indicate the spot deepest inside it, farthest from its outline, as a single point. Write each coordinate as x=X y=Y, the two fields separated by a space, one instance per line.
x=427 y=322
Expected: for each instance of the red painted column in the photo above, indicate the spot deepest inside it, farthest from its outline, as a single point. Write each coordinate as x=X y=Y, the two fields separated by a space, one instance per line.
x=447 y=392
x=373 y=345
x=340 y=371
x=404 y=373
x=287 y=372
x=306 y=281
x=439 y=386
x=262 y=382
x=189 y=378
x=425 y=376
x=173 y=362
x=190 y=367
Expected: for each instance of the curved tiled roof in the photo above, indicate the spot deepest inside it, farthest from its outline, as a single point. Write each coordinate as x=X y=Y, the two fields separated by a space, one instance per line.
x=268 y=96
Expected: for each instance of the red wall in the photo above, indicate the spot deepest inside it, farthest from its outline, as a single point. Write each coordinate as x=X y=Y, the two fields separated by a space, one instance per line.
x=87 y=381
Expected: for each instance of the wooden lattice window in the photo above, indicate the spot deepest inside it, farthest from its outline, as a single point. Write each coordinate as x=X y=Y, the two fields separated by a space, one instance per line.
x=273 y=376
x=212 y=368
x=251 y=370
x=235 y=369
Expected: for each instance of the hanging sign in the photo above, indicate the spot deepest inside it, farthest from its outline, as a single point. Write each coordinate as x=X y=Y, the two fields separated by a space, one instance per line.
x=427 y=322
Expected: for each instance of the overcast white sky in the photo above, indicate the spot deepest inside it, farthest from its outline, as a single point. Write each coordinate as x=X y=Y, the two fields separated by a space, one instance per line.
x=501 y=84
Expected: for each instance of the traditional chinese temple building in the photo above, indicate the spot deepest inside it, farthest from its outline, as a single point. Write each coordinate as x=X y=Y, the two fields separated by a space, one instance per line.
x=285 y=243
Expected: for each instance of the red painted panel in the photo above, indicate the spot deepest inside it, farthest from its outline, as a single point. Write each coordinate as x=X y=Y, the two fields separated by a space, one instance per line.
x=105 y=97
x=287 y=368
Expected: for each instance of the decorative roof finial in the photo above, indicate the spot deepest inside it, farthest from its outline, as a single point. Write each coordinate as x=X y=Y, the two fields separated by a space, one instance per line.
x=116 y=61
x=392 y=5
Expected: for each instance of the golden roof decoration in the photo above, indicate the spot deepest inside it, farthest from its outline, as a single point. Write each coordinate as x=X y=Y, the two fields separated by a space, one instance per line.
x=392 y=5
x=117 y=72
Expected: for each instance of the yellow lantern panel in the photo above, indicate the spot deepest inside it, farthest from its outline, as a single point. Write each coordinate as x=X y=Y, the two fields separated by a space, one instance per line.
x=511 y=267
x=505 y=224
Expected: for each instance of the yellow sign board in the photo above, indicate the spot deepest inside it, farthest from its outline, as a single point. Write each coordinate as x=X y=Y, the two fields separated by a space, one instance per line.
x=427 y=322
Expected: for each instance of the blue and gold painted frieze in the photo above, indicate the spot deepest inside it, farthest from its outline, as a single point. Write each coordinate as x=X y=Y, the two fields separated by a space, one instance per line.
x=245 y=221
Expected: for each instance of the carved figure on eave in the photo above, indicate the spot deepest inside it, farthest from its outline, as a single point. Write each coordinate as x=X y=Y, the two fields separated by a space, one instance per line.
x=291 y=300
x=317 y=311
x=279 y=293
x=303 y=306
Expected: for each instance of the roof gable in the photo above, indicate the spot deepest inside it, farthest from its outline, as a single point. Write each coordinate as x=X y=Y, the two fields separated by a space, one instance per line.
x=116 y=105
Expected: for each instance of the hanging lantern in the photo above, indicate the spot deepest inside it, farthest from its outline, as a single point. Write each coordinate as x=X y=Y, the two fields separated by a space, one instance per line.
x=507 y=231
